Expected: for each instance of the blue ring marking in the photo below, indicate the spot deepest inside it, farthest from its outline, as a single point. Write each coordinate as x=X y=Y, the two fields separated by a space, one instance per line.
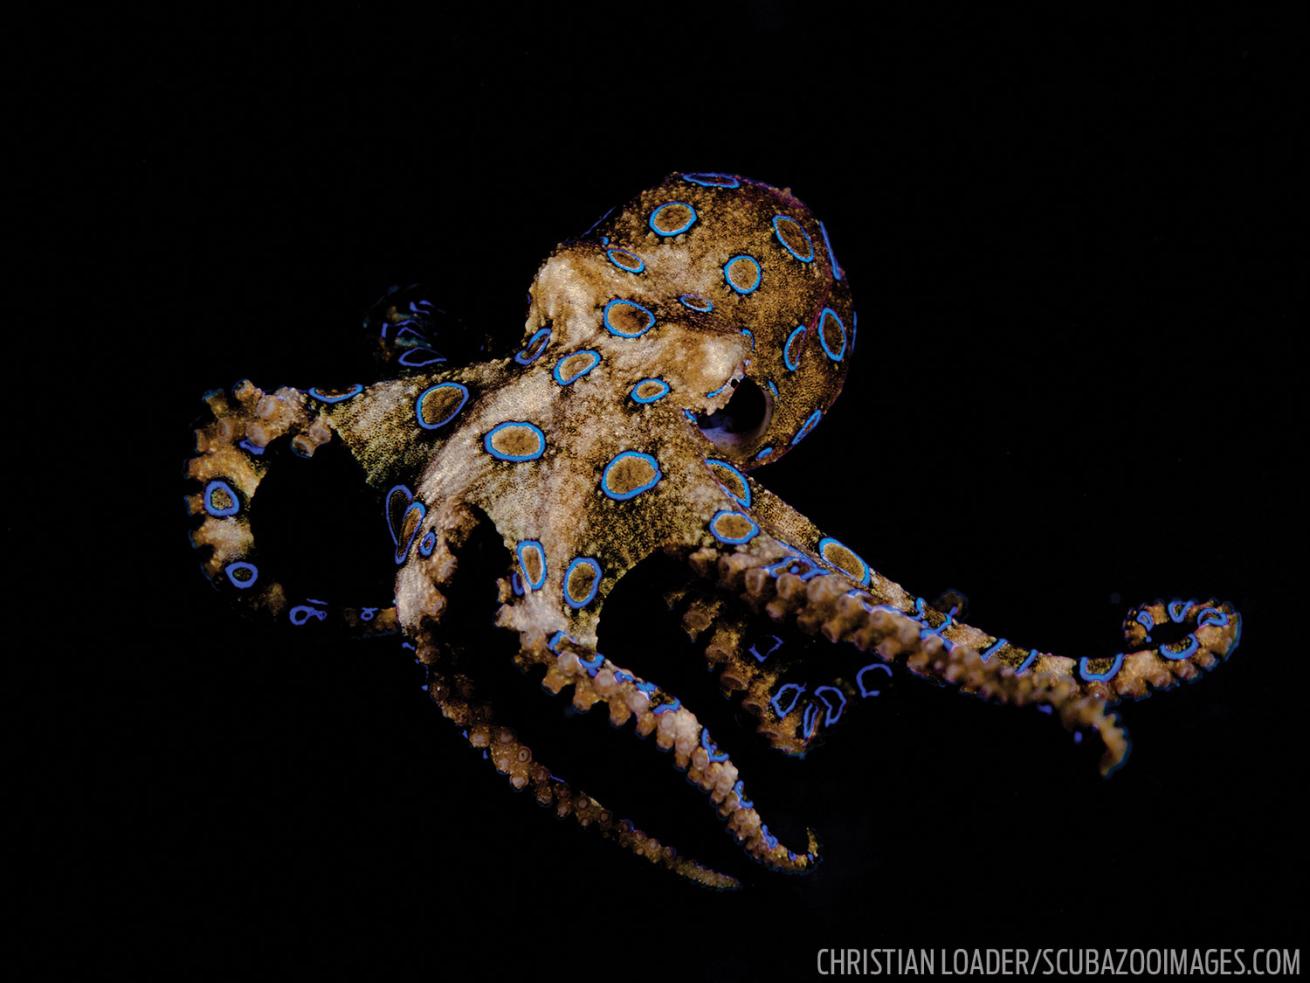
x=633 y=493
x=253 y=448
x=810 y=720
x=666 y=707
x=516 y=584
x=420 y=339
x=646 y=687
x=386 y=508
x=772 y=387
x=427 y=357
x=864 y=580
x=418 y=404
x=865 y=692
x=1178 y=610
x=593 y=664
x=753 y=650
x=855 y=328
x=555 y=639
x=777 y=644
x=838 y=355
x=717 y=392
x=774 y=701
x=582 y=602
x=696 y=302
x=428 y=543
x=646 y=400
x=832 y=716
x=1101 y=677
x=541 y=553
x=691 y=219
x=1045 y=708
x=832 y=257
x=739 y=258
x=1211 y=617
x=809 y=425
x=534 y=348
x=218 y=484
x=556 y=374
x=350 y=393
x=605 y=319
x=739 y=790
x=709 y=179
x=993 y=650
x=765 y=452
x=744 y=498
x=1027 y=663
x=751 y=335
x=786 y=245
x=305 y=612
x=637 y=264
x=691 y=417
x=240 y=565
x=1186 y=652
x=367 y=614
x=1145 y=619
x=733 y=540
x=710 y=747
x=514 y=458
x=403 y=551
x=792 y=363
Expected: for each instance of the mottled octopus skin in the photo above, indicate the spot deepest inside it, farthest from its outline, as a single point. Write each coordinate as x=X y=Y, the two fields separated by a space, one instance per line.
x=589 y=450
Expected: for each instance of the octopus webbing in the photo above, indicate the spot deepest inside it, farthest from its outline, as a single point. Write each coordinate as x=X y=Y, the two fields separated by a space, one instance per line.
x=696 y=334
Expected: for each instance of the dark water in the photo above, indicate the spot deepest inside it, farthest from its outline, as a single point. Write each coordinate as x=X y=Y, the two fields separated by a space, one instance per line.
x=1072 y=252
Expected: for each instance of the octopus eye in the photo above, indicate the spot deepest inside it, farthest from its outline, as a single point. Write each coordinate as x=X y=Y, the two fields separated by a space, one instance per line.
x=742 y=421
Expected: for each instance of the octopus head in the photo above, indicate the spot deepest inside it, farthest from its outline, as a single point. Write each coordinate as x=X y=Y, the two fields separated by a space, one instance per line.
x=715 y=295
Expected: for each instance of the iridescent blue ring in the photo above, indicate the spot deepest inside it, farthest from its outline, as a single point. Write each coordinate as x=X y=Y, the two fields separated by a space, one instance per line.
x=416 y=358
x=836 y=270
x=745 y=537
x=241 y=565
x=744 y=498
x=605 y=318
x=563 y=380
x=218 y=484
x=582 y=602
x=708 y=179
x=691 y=219
x=535 y=346
x=840 y=353
x=428 y=543
x=616 y=255
x=350 y=393
x=531 y=544
x=743 y=258
x=634 y=492
x=696 y=302
x=786 y=245
x=809 y=425
x=418 y=404
x=645 y=400
x=1100 y=677
x=793 y=362
x=515 y=458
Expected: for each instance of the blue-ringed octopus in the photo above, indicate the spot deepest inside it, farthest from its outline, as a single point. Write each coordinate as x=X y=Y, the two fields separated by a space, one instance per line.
x=689 y=338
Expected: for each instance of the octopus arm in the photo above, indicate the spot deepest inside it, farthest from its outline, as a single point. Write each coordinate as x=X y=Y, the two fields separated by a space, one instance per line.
x=231 y=459
x=791 y=572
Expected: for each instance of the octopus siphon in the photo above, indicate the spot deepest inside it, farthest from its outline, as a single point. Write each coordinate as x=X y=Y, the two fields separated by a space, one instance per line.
x=689 y=338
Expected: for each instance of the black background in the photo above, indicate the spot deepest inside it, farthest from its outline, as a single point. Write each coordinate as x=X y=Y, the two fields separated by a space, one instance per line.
x=1072 y=247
